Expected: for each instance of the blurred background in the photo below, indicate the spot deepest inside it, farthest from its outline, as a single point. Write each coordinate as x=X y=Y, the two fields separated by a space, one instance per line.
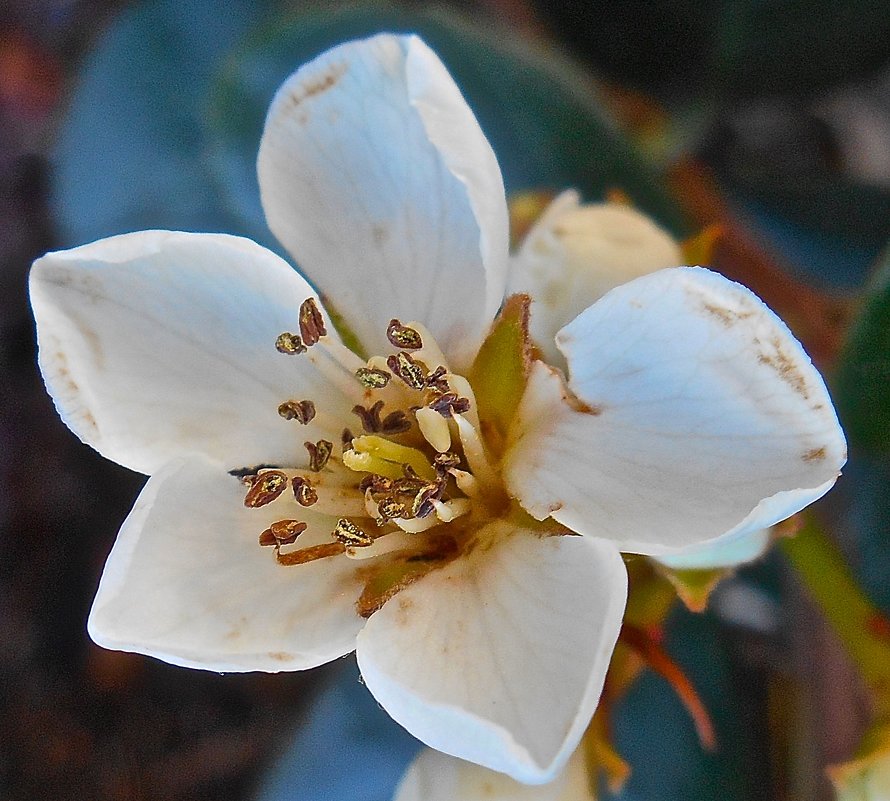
x=770 y=119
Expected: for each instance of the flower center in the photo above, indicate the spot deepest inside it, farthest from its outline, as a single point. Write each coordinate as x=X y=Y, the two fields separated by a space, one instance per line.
x=411 y=490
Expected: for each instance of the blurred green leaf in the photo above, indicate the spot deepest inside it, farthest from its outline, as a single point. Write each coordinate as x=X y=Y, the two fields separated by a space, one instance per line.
x=862 y=382
x=540 y=113
x=798 y=45
x=129 y=154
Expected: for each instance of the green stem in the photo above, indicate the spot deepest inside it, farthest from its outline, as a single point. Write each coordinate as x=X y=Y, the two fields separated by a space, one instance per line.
x=858 y=623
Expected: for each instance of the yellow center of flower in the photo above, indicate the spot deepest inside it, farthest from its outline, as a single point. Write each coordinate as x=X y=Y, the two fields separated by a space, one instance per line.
x=411 y=490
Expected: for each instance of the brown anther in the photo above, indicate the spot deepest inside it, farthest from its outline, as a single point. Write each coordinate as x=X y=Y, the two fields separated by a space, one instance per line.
x=351 y=535
x=411 y=371
x=375 y=483
x=319 y=453
x=289 y=343
x=401 y=336
x=311 y=322
x=449 y=404
x=265 y=488
x=346 y=438
x=304 y=492
x=443 y=462
x=437 y=380
x=282 y=532
x=395 y=423
x=372 y=378
x=371 y=422
x=389 y=507
x=302 y=411
x=423 y=501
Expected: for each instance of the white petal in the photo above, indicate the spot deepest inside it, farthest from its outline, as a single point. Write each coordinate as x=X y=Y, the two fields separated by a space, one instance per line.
x=160 y=343
x=188 y=582
x=376 y=176
x=500 y=657
x=434 y=776
x=698 y=414
x=576 y=253
x=729 y=550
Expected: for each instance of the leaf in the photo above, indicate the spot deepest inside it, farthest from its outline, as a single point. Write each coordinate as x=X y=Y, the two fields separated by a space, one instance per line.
x=863 y=374
x=129 y=154
x=542 y=116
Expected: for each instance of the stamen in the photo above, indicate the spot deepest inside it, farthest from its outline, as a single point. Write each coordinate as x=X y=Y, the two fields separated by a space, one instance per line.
x=438 y=380
x=396 y=423
x=443 y=462
x=431 y=353
x=304 y=492
x=449 y=404
x=395 y=540
x=412 y=372
x=265 y=488
x=289 y=343
x=371 y=422
x=302 y=411
x=311 y=322
x=346 y=438
x=474 y=451
x=310 y=554
x=372 y=378
x=319 y=453
x=449 y=510
x=434 y=428
x=351 y=535
x=402 y=336
x=282 y=532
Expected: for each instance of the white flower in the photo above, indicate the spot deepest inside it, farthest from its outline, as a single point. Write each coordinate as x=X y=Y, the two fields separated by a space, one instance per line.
x=434 y=776
x=690 y=411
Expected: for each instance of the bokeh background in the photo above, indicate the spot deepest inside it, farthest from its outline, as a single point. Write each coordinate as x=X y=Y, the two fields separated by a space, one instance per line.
x=771 y=119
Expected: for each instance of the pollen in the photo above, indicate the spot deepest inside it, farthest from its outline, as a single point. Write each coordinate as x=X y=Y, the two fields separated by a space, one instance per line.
x=401 y=336
x=351 y=535
x=289 y=343
x=265 y=488
x=372 y=378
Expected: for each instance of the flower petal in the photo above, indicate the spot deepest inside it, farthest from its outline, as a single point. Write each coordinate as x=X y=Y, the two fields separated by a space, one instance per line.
x=376 y=176
x=696 y=413
x=433 y=776
x=576 y=253
x=500 y=657
x=160 y=343
x=187 y=582
x=729 y=550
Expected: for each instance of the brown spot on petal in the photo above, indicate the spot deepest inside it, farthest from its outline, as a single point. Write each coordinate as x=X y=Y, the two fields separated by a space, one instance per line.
x=728 y=317
x=785 y=368
x=281 y=656
x=814 y=455
x=316 y=84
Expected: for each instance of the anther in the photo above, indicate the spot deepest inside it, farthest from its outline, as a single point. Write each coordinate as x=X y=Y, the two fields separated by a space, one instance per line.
x=350 y=534
x=443 y=462
x=289 y=343
x=302 y=411
x=319 y=453
x=282 y=532
x=311 y=322
x=304 y=492
x=372 y=378
x=438 y=381
x=265 y=488
x=371 y=422
x=411 y=371
x=401 y=336
x=346 y=438
x=395 y=423
x=449 y=404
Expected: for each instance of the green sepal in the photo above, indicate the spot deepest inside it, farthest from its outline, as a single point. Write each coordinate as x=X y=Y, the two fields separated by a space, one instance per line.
x=500 y=372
